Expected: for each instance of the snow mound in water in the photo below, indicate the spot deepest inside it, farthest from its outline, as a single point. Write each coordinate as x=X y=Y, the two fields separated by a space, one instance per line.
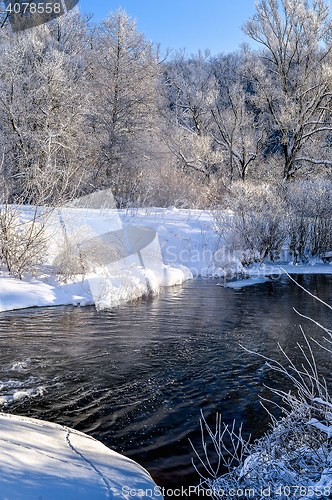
x=43 y=460
x=175 y=275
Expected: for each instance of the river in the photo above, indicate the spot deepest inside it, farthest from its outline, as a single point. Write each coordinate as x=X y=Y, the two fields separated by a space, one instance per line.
x=137 y=377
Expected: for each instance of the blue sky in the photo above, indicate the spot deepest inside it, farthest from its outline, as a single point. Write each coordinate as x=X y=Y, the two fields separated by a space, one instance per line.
x=176 y=24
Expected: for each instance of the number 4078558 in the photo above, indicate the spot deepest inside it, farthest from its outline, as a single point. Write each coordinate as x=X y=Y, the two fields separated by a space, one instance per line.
x=33 y=8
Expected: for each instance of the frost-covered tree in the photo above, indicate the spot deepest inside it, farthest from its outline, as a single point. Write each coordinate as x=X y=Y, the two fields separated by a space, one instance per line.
x=236 y=126
x=291 y=76
x=189 y=95
x=43 y=103
x=72 y=32
x=124 y=79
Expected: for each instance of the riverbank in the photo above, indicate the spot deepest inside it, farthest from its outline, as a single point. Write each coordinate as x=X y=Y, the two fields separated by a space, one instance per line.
x=186 y=245
x=190 y=238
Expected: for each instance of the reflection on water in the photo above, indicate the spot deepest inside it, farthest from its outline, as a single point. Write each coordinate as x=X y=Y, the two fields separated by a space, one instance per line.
x=137 y=377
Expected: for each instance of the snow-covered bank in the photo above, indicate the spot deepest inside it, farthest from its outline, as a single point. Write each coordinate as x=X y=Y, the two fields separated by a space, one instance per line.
x=266 y=272
x=111 y=292
x=44 y=460
x=169 y=247
x=47 y=291
x=190 y=238
x=104 y=263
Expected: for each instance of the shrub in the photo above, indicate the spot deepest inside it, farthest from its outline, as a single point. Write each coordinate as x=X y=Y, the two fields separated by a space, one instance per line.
x=80 y=251
x=171 y=186
x=255 y=228
x=23 y=245
x=263 y=218
x=309 y=208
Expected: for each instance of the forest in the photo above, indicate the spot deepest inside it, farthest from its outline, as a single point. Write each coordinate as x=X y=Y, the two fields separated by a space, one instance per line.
x=86 y=106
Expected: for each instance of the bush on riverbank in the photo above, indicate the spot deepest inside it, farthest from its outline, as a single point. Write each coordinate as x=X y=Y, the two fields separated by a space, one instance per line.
x=266 y=218
x=23 y=244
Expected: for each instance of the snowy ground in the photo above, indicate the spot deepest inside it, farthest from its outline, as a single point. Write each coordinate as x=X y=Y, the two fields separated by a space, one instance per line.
x=189 y=238
x=189 y=244
x=42 y=460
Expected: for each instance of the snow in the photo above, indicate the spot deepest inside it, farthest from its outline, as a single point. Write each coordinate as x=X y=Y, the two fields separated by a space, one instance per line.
x=322 y=427
x=19 y=294
x=160 y=247
x=189 y=238
x=322 y=402
x=175 y=275
x=245 y=282
x=44 y=460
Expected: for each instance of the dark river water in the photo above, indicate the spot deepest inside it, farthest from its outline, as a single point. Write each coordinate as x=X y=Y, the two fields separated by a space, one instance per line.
x=137 y=377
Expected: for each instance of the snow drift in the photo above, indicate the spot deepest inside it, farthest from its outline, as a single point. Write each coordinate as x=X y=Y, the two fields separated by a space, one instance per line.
x=44 y=460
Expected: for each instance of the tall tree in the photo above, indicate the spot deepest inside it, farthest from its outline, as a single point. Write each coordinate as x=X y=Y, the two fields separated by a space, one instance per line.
x=124 y=80
x=43 y=105
x=292 y=76
x=236 y=126
x=189 y=92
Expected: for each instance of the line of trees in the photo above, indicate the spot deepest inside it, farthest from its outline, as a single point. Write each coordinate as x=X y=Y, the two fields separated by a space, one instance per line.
x=86 y=107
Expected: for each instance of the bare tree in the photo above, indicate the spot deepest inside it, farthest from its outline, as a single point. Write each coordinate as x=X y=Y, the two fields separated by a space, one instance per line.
x=236 y=125
x=189 y=94
x=292 y=77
